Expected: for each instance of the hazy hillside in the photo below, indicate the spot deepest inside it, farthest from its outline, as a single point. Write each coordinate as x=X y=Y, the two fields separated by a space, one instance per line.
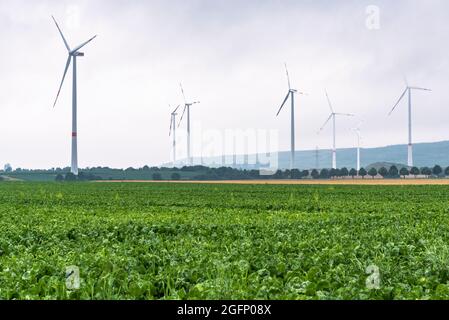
x=425 y=154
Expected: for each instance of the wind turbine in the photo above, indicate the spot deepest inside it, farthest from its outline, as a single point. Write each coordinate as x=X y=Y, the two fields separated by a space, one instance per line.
x=187 y=108
x=173 y=130
x=72 y=55
x=290 y=94
x=408 y=90
x=332 y=116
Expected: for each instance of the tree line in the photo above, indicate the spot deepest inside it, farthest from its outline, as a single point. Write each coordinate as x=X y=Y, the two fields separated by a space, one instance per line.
x=227 y=173
x=392 y=173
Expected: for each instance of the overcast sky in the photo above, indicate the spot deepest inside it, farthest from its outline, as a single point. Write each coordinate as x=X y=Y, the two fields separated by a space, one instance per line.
x=229 y=55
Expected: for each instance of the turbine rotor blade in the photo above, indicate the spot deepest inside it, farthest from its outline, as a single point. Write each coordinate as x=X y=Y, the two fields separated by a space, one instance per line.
x=418 y=88
x=176 y=109
x=345 y=114
x=402 y=96
x=60 y=32
x=171 y=120
x=283 y=103
x=83 y=44
x=329 y=102
x=321 y=129
x=63 y=77
x=182 y=91
x=182 y=116
x=288 y=76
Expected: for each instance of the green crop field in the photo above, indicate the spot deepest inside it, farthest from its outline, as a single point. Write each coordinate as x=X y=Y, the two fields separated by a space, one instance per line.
x=193 y=241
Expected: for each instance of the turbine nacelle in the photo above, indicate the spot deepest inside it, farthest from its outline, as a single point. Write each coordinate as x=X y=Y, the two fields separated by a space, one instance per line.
x=333 y=113
x=191 y=104
x=174 y=111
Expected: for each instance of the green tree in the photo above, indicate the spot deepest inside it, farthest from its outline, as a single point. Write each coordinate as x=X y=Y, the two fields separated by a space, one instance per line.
x=383 y=172
x=82 y=176
x=362 y=173
x=175 y=176
x=414 y=171
x=437 y=170
x=426 y=171
x=59 y=177
x=333 y=173
x=324 y=174
x=315 y=174
x=404 y=172
x=157 y=176
x=372 y=172
x=393 y=172
x=352 y=173
x=296 y=174
x=344 y=172
x=70 y=177
x=337 y=172
x=305 y=174
x=278 y=175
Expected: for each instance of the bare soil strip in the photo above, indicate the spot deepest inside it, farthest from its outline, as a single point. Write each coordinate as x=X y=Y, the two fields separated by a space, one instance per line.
x=380 y=182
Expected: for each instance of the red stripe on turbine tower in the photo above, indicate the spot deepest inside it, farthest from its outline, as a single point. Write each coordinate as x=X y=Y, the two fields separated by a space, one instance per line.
x=73 y=134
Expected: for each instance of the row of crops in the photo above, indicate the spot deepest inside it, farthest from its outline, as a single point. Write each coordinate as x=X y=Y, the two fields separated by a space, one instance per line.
x=193 y=241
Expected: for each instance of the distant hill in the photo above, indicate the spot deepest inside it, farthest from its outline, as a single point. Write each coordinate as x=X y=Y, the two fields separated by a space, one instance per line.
x=424 y=154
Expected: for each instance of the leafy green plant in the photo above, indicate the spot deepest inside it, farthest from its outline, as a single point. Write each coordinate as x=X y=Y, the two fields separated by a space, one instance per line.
x=195 y=241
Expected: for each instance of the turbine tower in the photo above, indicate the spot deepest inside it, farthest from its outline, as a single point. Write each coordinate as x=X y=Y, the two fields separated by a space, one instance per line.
x=72 y=55
x=290 y=94
x=357 y=132
x=173 y=130
x=408 y=90
x=332 y=116
x=187 y=108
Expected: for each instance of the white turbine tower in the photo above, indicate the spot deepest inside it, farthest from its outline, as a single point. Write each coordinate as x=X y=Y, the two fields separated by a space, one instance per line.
x=332 y=116
x=72 y=55
x=187 y=108
x=290 y=94
x=408 y=90
x=173 y=130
